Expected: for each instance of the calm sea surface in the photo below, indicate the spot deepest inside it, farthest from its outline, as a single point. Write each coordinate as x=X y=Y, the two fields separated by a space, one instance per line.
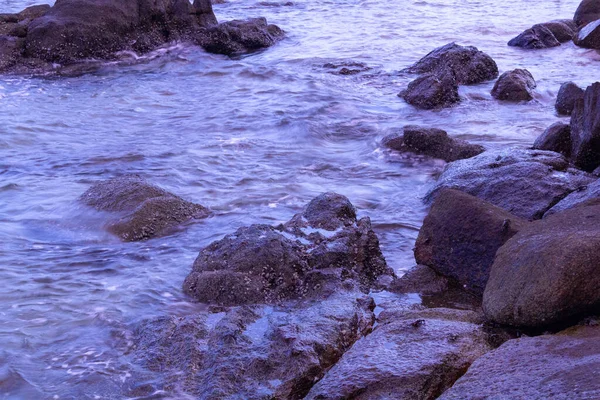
x=253 y=138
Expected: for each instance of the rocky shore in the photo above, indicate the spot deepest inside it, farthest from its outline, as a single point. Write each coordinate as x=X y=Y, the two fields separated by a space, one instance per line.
x=504 y=299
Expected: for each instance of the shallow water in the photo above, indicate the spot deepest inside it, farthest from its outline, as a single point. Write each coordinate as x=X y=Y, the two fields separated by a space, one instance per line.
x=253 y=138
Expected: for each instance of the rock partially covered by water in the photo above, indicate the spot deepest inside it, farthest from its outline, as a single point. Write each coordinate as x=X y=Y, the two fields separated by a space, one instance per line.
x=253 y=352
x=562 y=29
x=149 y=210
x=567 y=96
x=237 y=37
x=557 y=137
x=318 y=252
x=460 y=236
x=432 y=91
x=411 y=354
x=588 y=11
x=524 y=182
x=468 y=65
x=561 y=366
x=589 y=36
x=536 y=37
x=74 y=31
x=548 y=273
x=516 y=85
x=432 y=142
x=585 y=130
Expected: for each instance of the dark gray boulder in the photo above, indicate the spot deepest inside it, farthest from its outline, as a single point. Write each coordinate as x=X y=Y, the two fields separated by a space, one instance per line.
x=589 y=195
x=562 y=29
x=320 y=251
x=237 y=37
x=432 y=91
x=468 y=65
x=589 y=36
x=588 y=11
x=146 y=210
x=516 y=85
x=431 y=142
x=252 y=352
x=548 y=273
x=460 y=236
x=557 y=138
x=411 y=354
x=567 y=96
x=536 y=37
x=585 y=130
x=563 y=366
x=524 y=182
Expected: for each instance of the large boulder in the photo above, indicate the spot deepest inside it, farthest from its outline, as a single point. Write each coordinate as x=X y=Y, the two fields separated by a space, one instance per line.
x=589 y=194
x=318 y=252
x=548 y=273
x=432 y=142
x=460 y=236
x=567 y=96
x=563 y=366
x=562 y=29
x=468 y=65
x=146 y=210
x=557 y=137
x=516 y=85
x=411 y=354
x=536 y=37
x=524 y=182
x=589 y=36
x=588 y=11
x=432 y=91
x=252 y=352
x=585 y=130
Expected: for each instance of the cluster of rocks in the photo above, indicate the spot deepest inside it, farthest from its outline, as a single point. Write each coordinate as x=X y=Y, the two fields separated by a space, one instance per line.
x=78 y=31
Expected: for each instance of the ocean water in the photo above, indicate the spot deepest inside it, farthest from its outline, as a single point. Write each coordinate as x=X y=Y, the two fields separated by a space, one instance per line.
x=253 y=138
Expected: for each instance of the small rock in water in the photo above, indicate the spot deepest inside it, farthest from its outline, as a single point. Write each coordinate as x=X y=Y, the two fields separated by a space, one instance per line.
x=537 y=37
x=557 y=137
x=516 y=85
x=567 y=96
x=431 y=91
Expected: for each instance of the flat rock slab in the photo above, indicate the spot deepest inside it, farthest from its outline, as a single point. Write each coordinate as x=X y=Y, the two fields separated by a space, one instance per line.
x=588 y=195
x=565 y=366
x=411 y=354
x=527 y=183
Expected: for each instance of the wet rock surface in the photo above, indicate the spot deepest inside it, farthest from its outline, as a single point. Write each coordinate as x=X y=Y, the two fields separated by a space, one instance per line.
x=589 y=194
x=316 y=253
x=431 y=142
x=466 y=63
x=149 y=211
x=588 y=11
x=526 y=183
x=589 y=36
x=562 y=29
x=567 y=96
x=547 y=274
x=77 y=31
x=253 y=352
x=460 y=236
x=585 y=130
x=431 y=91
x=562 y=366
x=557 y=138
x=411 y=354
x=516 y=85
x=536 y=37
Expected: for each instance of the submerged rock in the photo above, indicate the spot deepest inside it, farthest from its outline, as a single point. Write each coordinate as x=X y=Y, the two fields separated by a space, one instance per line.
x=516 y=85
x=536 y=37
x=466 y=63
x=431 y=91
x=253 y=352
x=75 y=31
x=588 y=11
x=524 y=182
x=557 y=137
x=589 y=36
x=562 y=366
x=567 y=96
x=318 y=252
x=149 y=210
x=460 y=236
x=411 y=354
x=432 y=142
x=548 y=273
x=585 y=130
